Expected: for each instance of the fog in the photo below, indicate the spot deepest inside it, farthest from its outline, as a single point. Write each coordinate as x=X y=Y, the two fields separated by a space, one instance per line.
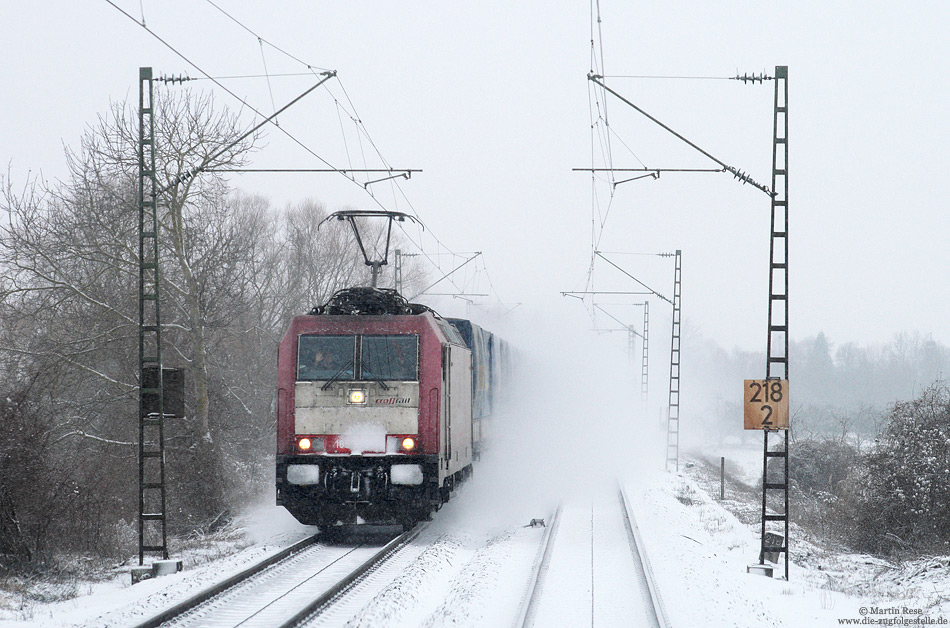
x=491 y=101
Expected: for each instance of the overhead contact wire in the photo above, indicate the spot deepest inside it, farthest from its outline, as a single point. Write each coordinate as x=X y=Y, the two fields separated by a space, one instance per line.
x=218 y=83
x=275 y=47
x=398 y=189
x=346 y=146
x=593 y=105
x=602 y=67
x=358 y=123
x=267 y=75
x=601 y=129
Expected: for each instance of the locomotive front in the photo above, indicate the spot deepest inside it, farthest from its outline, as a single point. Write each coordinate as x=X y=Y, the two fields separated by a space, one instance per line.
x=360 y=418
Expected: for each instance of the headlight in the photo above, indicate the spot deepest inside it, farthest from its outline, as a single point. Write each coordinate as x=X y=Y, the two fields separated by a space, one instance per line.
x=406 y=474
x=303 y=474
x=357 y=396
x=401 y=444
x=311 y=444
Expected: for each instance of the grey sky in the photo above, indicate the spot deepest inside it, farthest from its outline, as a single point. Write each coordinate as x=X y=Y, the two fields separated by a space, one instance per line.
x=490 y=99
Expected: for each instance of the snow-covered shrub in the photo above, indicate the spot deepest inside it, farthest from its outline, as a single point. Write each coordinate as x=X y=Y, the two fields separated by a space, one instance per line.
x=820 y=466
x=906 y=496
x=19 y=465
x=59 y=494
x=822 y=473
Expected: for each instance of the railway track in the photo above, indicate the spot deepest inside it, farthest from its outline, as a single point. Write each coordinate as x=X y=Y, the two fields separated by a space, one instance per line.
x=645 y=581
x=529 y=606
x=648 y=581
x=284 y=590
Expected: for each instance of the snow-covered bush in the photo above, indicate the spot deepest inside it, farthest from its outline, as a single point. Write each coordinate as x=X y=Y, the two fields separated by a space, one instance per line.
x=906 y=495
x=820 y=466
x=823 y=473
x=18 y=464
x=58 y=495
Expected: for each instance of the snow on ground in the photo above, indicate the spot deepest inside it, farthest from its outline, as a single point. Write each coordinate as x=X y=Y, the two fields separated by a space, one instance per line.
x=488 y=590
x=592 y=578
x=477 y=570
x=700 y=548
x=113 y=601
x=462 y=577
x=473 y=572
x=699 y=553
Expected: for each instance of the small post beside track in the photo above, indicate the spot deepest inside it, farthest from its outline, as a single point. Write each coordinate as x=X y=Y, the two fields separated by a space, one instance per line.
x=722 y=478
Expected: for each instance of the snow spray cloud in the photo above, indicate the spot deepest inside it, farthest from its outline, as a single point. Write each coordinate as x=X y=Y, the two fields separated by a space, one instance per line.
x=570 y=424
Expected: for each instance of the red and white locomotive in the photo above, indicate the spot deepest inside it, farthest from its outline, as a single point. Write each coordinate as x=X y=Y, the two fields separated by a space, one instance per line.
x=375 y=401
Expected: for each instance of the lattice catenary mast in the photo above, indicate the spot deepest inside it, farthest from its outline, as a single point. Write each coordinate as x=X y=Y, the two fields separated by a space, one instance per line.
x=673 y=422
x=153 y=535
x=776 y=366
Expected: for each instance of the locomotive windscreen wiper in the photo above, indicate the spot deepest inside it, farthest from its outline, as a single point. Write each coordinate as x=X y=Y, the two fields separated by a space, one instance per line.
x=378 y=380
x=336 y=377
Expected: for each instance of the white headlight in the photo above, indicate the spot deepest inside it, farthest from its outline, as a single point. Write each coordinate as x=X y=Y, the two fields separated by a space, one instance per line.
x=406 y=474
x=302 y=474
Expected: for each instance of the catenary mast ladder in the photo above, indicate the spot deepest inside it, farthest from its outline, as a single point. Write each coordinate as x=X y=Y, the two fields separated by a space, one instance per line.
x=397 y=271
x=673 y=421
x=644 y=359
x=153 y=538
x=777 y=350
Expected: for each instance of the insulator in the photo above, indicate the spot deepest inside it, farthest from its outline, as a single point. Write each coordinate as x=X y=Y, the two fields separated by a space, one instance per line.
x=175 y=79
x=754 y=78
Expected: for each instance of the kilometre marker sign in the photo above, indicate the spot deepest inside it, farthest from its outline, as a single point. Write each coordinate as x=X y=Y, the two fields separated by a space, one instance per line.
x=766 y=404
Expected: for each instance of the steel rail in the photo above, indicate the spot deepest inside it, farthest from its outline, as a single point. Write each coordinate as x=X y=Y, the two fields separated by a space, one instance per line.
x=205 y=595
x=529 y=605
x=356 y=576
x=640 y=558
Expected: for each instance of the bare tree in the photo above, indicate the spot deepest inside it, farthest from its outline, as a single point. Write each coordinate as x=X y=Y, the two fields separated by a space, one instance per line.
x=234 y=272
x=70 y=288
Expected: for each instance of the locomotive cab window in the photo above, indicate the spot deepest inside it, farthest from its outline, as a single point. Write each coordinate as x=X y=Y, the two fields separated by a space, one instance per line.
x=389 y=358
x=326 y=357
